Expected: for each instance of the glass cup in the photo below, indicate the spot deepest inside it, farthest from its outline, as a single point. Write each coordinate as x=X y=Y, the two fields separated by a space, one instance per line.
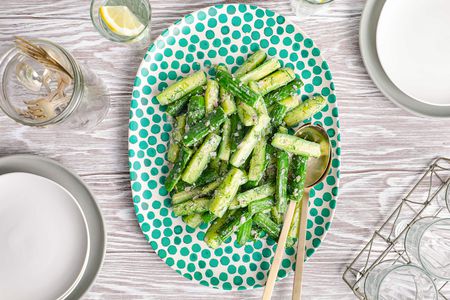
x=447 y=196
x=318 y=1
x=32 y=94
x=390 y=280
x=141 y=9
x=427 y=243
x=303 y=8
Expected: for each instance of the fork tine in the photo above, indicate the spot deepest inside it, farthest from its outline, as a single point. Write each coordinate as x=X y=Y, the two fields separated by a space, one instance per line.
x=40 y=54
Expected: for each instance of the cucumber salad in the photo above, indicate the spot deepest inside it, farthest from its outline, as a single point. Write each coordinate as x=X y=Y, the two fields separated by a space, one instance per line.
x=236 y=161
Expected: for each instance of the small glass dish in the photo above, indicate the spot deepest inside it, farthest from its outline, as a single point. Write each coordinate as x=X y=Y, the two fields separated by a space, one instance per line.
x=31 y=94
x=141 y=9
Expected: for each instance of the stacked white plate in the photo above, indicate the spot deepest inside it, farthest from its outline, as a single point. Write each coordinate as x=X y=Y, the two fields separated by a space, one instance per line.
x=51 y=239
x=45 y=240
x=405 y=45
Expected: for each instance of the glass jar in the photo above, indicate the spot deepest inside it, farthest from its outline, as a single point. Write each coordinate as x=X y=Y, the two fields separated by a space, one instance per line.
x=26 y=85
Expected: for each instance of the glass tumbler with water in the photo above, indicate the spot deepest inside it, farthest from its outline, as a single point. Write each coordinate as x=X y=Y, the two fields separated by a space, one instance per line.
x=123 y=21
x=303 y=8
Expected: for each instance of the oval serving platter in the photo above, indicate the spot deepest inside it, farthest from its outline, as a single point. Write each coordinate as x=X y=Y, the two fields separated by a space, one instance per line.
x=220 y=34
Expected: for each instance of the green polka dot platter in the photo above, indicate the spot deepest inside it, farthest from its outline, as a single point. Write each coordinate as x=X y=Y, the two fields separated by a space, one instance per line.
x=220 y=34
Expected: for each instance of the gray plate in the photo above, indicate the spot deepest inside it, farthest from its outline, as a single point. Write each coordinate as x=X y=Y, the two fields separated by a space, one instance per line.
x=54 y=171
x=367 y=42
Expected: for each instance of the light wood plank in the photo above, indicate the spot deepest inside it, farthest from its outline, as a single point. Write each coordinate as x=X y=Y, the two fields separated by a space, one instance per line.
x=384 y=148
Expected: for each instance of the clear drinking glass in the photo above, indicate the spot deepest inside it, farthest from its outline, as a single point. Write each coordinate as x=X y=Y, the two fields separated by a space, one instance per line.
x=427 y=243
x=139 y=8
x=392 y=280
x=303 y=8
x=29 y=91
x=447 y=196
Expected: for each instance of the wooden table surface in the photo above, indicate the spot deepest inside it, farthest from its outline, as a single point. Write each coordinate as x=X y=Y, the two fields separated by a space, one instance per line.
x=384 y=148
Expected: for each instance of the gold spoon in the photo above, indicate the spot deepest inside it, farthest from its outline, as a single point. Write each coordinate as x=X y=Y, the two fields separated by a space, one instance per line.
x=317 y=169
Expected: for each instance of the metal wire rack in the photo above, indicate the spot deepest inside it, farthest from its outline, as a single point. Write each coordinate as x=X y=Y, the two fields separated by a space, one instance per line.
x=427 y=198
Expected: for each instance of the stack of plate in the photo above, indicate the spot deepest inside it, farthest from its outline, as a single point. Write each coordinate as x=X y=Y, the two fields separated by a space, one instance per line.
x=52 y=237
x=405 y=45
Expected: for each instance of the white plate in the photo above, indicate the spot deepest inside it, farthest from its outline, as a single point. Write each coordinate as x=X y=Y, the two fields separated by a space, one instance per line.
x=413 y=45
x=44 y=240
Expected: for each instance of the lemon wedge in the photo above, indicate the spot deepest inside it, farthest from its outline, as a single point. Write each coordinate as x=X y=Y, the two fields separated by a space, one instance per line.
x=121 y=20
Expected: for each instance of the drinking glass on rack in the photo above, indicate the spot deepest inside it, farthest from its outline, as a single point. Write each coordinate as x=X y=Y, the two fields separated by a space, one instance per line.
x=123 y=21
x=304 y=8
x=427 y=243
x=447 y=196
x=43 y=85
x=392 y=280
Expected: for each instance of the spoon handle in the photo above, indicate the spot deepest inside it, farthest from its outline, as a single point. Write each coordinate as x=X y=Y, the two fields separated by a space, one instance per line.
x=301 y=242
x=273 y=273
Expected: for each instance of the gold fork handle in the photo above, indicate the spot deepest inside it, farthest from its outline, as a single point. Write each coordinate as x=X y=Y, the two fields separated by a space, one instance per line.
x=273 y=273
x=301 y=242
